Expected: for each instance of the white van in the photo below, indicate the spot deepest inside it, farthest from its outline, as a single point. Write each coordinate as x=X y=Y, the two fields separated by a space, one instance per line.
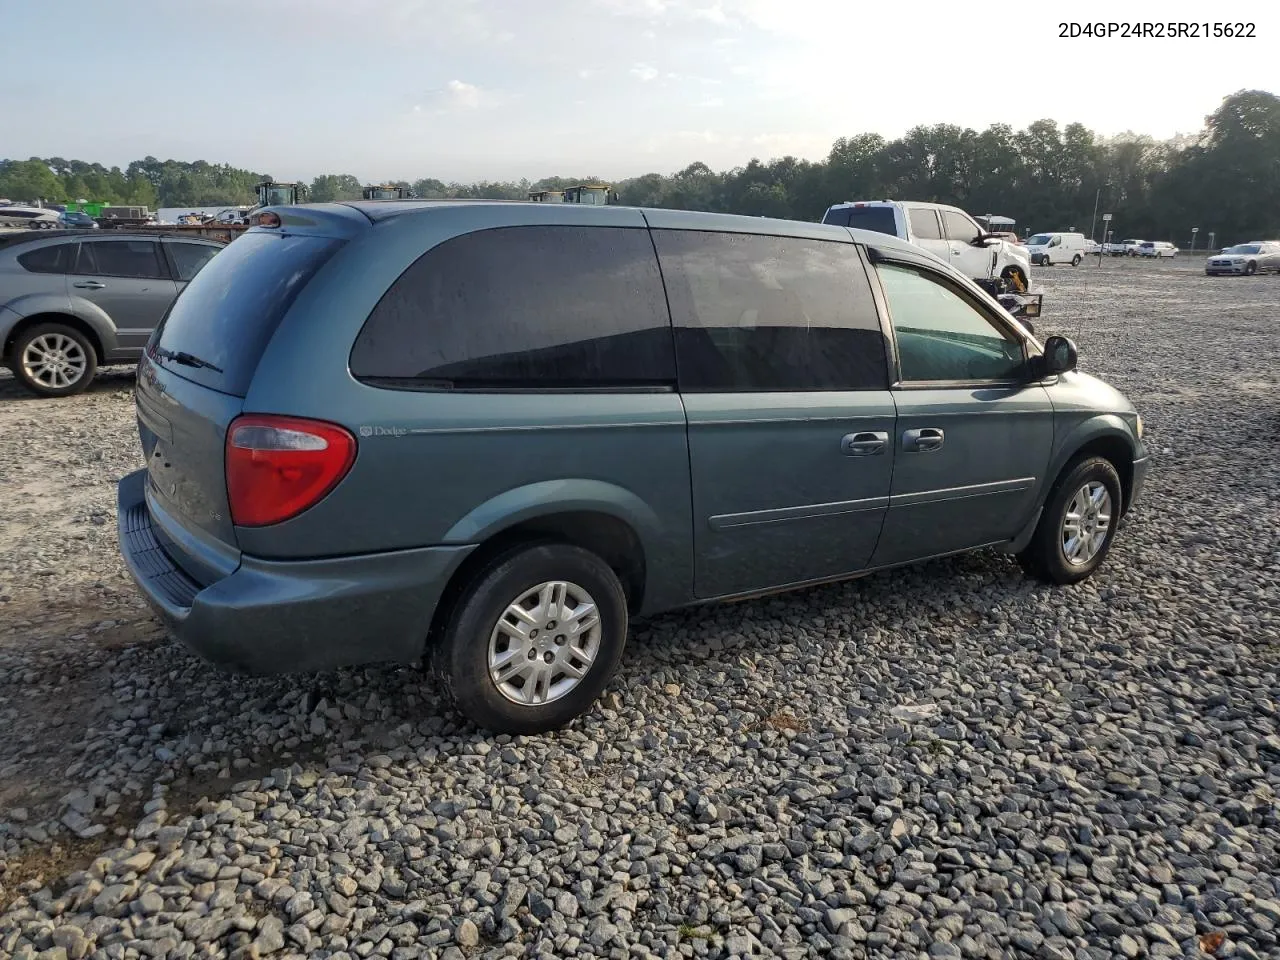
x=1046 y=249
x=1157 y=248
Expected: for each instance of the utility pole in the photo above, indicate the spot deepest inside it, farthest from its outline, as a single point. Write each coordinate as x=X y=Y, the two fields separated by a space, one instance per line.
x=1093 y=224
x=1106 y=229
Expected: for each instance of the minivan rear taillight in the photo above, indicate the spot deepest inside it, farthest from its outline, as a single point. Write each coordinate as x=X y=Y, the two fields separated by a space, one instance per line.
x=278 y=467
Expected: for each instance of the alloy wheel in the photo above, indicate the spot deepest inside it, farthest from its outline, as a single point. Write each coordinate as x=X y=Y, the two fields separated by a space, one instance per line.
x=1086 y=523
x=544 y=643
x=55 y=361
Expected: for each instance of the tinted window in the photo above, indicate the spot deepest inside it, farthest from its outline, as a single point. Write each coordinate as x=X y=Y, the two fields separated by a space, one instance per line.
x=188 y=258
x=227 y=314
x=524 y=307
x=879 y=219
x=120 y=258
x=941 y=335
x=51 y=259
x=959 y=227
x=770 y=313
x=924 y=225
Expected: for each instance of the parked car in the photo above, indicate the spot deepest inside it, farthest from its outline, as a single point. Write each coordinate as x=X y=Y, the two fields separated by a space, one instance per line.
x=1129 y=248
x=1117 y=248
x=1157 y=248
x=490 y=433
x=1245 y=258
x=1046 y=249
x=75 y=300
x=75 y=220
x=947 y=232
x=1091 y=247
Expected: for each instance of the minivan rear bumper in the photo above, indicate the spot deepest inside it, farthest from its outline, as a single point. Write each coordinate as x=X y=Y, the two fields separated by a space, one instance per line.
x=271 y=616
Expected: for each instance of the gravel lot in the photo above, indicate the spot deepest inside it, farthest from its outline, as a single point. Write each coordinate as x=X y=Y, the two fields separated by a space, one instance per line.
x=940 y=762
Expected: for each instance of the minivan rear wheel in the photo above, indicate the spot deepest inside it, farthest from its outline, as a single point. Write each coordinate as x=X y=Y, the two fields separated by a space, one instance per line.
x=1078 y=524
x=54 y=360
x=534 y=639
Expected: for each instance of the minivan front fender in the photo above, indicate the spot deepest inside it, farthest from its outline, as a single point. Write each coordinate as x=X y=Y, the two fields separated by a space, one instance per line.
x=1105 y=434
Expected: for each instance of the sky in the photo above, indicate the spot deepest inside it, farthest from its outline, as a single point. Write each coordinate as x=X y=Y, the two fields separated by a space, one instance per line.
x=465 y=90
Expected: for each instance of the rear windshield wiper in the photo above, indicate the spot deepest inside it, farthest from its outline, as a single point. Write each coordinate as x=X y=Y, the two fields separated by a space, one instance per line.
x=187 y=359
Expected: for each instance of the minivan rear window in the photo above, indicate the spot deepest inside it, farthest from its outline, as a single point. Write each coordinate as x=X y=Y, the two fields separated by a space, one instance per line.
x=223 y=319
x=879 y=219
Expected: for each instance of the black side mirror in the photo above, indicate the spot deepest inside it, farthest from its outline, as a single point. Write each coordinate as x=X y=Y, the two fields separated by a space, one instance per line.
x=1060 y=356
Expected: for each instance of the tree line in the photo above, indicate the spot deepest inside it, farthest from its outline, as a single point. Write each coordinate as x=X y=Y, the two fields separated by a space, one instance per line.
x=1225 y=180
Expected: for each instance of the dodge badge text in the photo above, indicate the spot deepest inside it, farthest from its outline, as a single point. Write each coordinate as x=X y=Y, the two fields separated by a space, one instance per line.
x=1170 y=28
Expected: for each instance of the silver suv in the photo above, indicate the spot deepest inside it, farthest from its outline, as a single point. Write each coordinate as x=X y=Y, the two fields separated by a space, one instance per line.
x=74 y=300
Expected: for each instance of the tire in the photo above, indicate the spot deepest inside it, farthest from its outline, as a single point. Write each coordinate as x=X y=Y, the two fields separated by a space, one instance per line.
x=1250 y=269
x=54 y=360
x=475 y=635
x=1045 y=261
x=1045 y=556
x=1075 y=261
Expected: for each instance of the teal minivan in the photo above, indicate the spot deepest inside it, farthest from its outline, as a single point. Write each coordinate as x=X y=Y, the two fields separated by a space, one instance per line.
x=488 y=434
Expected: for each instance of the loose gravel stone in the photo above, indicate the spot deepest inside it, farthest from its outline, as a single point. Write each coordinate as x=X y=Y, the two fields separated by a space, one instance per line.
x=940 y=761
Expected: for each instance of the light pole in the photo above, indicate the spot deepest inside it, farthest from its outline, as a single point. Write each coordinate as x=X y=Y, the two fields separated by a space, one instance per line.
x=1194 y=231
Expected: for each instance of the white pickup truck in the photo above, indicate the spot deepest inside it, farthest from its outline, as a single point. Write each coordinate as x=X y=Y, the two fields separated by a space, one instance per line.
x=946 y=232
x=997 y=264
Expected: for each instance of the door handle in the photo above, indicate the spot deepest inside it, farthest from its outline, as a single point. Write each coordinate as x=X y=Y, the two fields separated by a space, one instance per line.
x=924 y=440
x=863 y=444
x=89 y=285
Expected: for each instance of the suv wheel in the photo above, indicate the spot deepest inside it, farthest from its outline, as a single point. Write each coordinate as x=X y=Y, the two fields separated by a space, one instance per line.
x=534 y=639
x=54 y=360
x=1078 y=524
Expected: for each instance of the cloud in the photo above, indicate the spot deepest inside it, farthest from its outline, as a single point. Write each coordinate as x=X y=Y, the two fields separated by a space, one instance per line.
x=646 y=9
x=456 y=96
x=644 y=72
x=463 y=94
x=584 y=74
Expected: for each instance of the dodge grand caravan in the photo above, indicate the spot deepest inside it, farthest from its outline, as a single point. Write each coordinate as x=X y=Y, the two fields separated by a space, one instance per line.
x=490 y=433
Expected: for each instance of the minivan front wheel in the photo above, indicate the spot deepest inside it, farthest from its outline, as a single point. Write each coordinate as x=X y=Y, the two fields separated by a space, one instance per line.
x=54 y=360
x=534 y=639
x=1078 y=524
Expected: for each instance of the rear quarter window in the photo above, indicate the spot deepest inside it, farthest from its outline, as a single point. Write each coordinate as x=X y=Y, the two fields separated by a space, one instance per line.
x=226 y=315
x=189 y=258
x=524 y=308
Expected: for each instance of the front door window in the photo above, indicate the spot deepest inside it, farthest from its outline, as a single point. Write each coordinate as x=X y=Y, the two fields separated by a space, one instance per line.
x=942 y=336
